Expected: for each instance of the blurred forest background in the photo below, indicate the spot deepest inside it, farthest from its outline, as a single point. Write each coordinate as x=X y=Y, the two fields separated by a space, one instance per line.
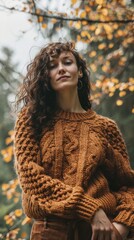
x=103 y=32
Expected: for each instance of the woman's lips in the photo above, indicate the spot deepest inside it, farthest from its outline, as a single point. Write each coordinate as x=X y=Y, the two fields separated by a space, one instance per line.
x=62 y=77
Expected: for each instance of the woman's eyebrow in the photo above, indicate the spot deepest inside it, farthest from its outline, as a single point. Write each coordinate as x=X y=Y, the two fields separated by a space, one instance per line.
x=68 y=57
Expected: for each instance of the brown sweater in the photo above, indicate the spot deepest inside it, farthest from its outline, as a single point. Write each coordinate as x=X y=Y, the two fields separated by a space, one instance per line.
x=80 y=166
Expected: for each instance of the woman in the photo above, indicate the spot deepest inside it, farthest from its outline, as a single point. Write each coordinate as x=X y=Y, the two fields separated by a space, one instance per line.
x=72 y=163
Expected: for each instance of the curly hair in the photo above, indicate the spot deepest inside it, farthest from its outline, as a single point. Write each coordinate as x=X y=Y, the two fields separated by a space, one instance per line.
x=36 y=92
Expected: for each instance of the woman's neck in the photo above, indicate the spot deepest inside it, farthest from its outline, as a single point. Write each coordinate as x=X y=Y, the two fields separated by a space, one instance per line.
x=69 y=101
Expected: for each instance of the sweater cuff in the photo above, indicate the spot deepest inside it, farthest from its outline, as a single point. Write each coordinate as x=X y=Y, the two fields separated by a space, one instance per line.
x=86 y=207
x=127 y=218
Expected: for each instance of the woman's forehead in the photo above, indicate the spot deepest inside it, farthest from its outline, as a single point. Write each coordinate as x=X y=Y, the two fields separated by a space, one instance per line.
x=64 y=54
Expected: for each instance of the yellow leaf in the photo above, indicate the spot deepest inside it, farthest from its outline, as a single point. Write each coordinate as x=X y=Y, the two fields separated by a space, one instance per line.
x=78 y=25
x=78 y=38
x=122 y=93
x=100 y=2
x=54 y=20
x=7 y=153
x=105 y=68
x=26 y=220
x=18 y=212
x=104 y=12
x=84 y=22
x=101 y=46
x=5 y=186
x=16 y=200
x=38 y=11
x=115 y=80
x=109 y=36
x=44 y=25
x=98 y=30
x=110 y=45
x=85 y=34
x=87 y=8
x=111 y=94
x=119 y=102
x=24 y=235
x=107 y=28
x=120 y=33
x=92 y=27
x=115 y=26
x=93 y=67
x=11 y=132
x=131 y=80
x=8 y=140
x=132 y=110
x=83 y=14
x=92 y=54
x=112 y=89
x=131 y=88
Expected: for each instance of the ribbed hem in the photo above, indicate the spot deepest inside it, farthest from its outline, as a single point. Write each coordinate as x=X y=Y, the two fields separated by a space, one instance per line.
x=125 y=217
x=105 y=200
x=75 y=115
x=86 y=207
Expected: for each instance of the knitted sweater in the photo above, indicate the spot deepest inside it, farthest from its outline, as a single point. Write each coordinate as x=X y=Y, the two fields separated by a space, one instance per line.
x=80 y=165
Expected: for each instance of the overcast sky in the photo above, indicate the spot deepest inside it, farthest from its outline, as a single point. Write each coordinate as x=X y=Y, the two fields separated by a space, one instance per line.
x=12 y=24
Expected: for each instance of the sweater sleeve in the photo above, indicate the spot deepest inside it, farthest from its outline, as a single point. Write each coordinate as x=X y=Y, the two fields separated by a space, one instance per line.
x=123 y=178
x=48 y=195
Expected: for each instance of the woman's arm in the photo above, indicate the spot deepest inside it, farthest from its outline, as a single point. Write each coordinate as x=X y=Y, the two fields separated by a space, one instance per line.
x=50 y=196
x=123 y=182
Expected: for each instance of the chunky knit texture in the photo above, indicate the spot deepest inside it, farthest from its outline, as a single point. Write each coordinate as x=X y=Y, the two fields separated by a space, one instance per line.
x=80 y=165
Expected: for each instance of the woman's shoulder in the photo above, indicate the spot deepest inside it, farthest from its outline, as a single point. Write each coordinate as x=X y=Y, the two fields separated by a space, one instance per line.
x=106 y=122
x=104 y=119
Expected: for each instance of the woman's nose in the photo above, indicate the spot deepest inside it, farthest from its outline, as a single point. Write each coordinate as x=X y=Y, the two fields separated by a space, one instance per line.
x=61 y=68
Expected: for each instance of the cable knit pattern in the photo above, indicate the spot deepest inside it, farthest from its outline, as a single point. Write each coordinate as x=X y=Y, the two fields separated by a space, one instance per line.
x=81 y=165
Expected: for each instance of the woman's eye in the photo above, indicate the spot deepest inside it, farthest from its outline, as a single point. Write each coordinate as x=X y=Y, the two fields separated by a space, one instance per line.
x=51 y=66
x=68 y=62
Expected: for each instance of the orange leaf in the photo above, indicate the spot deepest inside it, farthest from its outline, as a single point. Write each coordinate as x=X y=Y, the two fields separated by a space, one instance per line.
x=18 y=212
x=40 y=19
x=44 y=25
x=74 y=1
x=101 y=46
x=92 y=54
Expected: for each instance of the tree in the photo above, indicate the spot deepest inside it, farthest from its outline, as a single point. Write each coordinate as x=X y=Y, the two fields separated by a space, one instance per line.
x=10 y=194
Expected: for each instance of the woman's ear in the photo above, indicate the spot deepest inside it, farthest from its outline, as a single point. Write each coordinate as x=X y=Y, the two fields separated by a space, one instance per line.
x=80 y=73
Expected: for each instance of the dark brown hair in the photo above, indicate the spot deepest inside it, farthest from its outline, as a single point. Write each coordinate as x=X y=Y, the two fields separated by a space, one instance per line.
x=36 y=92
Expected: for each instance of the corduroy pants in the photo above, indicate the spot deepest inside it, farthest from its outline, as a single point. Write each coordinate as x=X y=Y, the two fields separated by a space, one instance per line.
x=61 y=229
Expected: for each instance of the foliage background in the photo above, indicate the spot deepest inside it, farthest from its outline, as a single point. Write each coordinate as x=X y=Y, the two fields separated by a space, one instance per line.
x=103 y=33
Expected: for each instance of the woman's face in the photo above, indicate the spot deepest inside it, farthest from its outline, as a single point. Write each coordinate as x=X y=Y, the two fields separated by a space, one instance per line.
x=63 y=72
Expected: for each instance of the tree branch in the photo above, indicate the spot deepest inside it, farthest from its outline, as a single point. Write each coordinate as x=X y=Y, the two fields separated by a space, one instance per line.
x=45 y=15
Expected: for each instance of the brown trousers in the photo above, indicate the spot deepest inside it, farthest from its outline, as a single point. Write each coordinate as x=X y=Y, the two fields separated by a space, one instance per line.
x=61 y=229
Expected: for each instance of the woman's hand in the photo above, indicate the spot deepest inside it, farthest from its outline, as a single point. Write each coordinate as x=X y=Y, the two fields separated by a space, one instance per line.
x=102 y=228
x=122 y=229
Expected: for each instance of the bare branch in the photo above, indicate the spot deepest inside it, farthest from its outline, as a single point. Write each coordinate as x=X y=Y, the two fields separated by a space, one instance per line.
x=60 y=17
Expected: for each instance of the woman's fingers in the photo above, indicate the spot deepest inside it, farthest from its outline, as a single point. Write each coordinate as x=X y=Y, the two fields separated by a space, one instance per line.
x=102 y=233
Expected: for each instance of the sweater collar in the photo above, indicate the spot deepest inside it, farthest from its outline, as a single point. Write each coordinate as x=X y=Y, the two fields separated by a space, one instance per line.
x=89 y=114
